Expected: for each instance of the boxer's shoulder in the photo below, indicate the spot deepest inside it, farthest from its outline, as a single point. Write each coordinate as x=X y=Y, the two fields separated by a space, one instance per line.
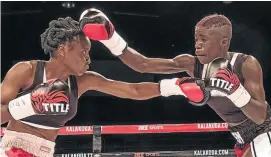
x=251 y=60
x=186 y=61
x=86 y=76
x=89 y=78
x=24 y=71
x=17 y=78
x=246 y=61
x=251 y=67
x=26 y=66
x=88 y=81
x=240 y=54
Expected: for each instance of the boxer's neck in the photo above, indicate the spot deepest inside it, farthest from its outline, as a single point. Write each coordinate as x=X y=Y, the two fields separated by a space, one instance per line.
x=225 y=55
x=56 y=69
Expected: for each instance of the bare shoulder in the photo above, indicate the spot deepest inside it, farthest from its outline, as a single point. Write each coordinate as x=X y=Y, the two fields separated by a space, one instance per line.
x=185 y=61
x=90 y=80
x=22 y=71
x=23 y=66
x=19 y=77
x=250 y=61
x=187 y=58
x=89 y=75
x=92 y=74
x=251 y=64
x=251 y=68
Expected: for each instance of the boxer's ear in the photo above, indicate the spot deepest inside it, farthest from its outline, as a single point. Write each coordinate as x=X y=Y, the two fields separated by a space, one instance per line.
x=61 y=50
x=224 y=41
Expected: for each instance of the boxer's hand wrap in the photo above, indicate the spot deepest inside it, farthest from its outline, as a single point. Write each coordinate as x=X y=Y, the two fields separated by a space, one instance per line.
x=97 y=26
x=50 y=98
x=226 y=83
x=186 y=86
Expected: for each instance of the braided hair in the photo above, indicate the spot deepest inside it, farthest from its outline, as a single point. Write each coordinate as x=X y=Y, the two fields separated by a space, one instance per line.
x=59 y=32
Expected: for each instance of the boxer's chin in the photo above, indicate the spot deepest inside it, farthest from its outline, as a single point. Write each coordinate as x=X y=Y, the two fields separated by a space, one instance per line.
x=80 y=73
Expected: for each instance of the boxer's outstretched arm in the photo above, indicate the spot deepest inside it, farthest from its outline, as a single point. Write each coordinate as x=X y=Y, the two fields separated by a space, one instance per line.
x=136 y=91
x=107 y=35
x=143 y=64
x=14 y=80
x=256 y=109
x=186 y=86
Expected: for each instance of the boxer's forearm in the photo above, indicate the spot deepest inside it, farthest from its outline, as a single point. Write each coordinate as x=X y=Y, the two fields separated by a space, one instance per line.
x=5 y=115
x=135 y=91
x=144 y=91
x=142 y=64
x=255 y=111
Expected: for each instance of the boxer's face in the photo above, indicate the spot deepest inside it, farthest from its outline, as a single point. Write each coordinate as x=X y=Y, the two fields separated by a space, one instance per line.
x=77 y=55
x=207 y=44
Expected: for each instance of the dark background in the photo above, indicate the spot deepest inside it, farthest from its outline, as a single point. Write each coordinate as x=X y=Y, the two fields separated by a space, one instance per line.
x=156 y=29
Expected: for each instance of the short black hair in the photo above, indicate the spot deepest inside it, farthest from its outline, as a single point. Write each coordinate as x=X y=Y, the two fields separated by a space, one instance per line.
x=59 y=31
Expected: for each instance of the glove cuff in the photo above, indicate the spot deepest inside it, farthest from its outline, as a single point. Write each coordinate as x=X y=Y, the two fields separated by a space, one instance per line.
x=21 y=107
x=169 y=87
x=240 y=97
x=116 y=44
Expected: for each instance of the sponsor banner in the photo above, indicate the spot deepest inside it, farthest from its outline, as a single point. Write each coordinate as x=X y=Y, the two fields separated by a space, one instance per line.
x=189 y=153
x=219 y=152
x=74 y=155
x=141 y=129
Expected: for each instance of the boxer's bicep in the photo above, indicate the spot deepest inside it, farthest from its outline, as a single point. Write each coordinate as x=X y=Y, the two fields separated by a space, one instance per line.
x=14 y=80
x=253 y=76
x=137 y=91
x=140 y=63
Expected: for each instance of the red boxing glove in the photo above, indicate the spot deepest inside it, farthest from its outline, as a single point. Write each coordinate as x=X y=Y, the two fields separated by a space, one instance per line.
x=191 y=88
x=97 y=26
x=194 y=90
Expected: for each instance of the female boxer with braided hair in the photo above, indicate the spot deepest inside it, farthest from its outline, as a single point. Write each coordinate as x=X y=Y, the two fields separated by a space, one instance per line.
x=39 y=97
